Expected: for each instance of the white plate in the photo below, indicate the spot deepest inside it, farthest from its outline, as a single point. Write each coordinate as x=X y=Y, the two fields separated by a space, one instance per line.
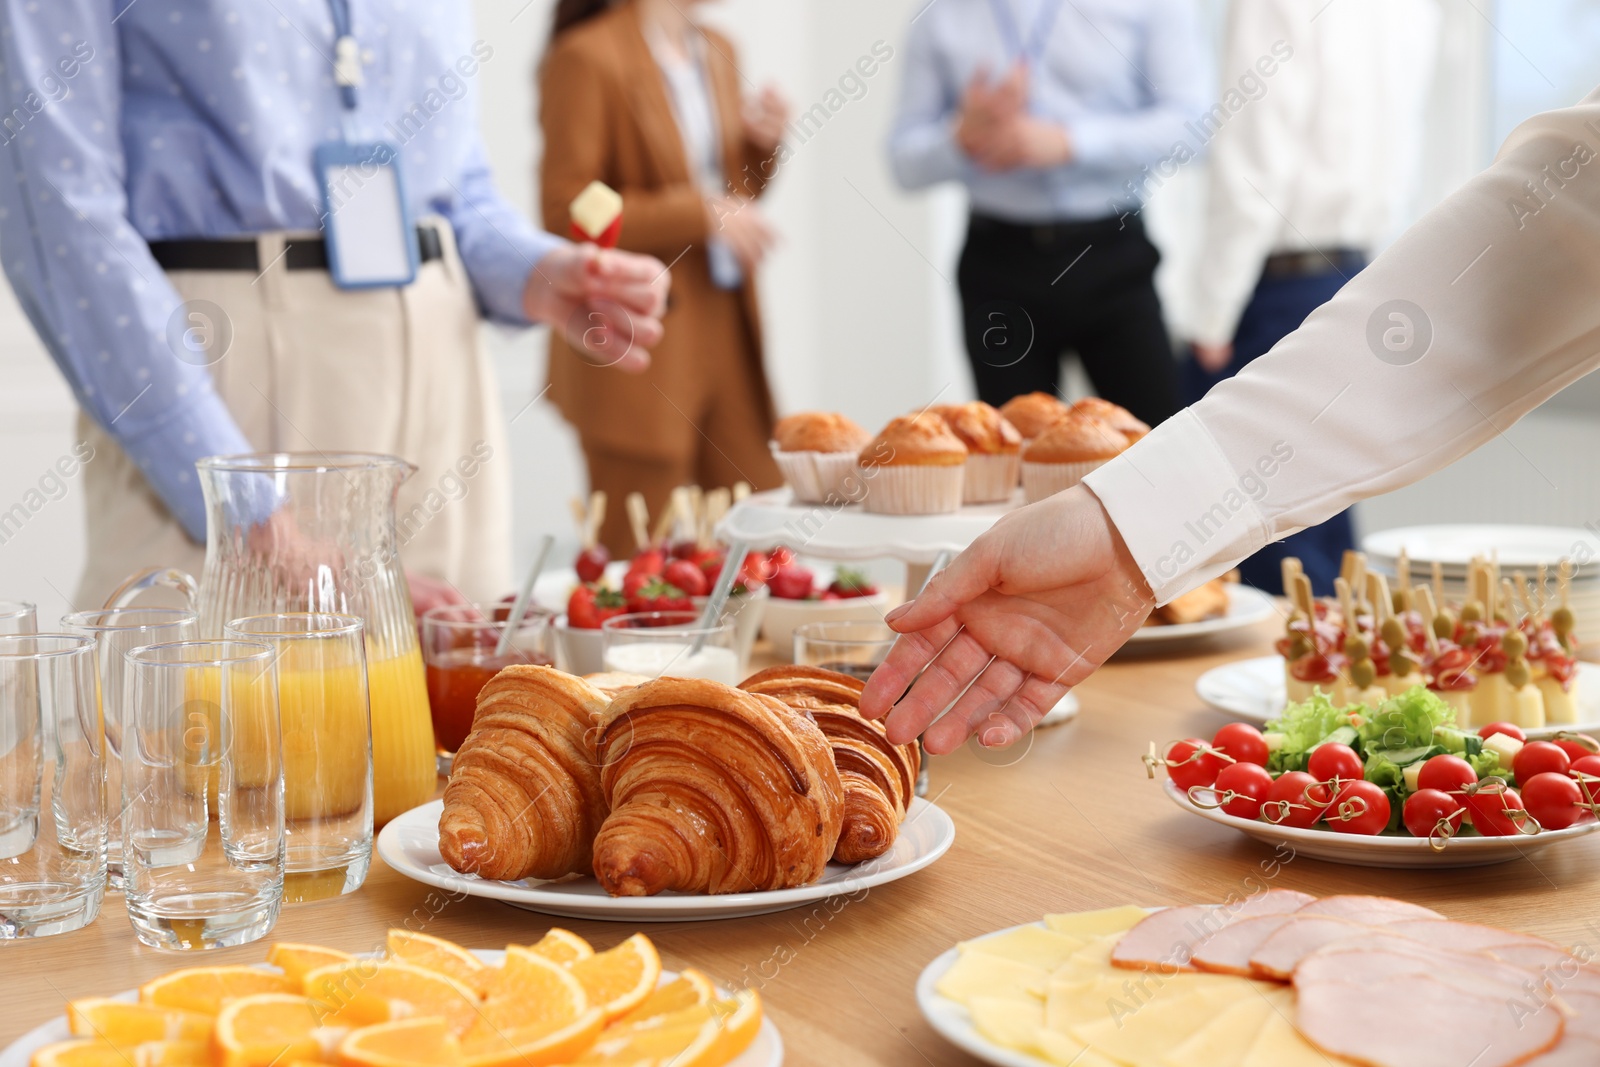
x=410 y=844
x=952 y=1019
x=765 y=1051
x=1246 y=607
x=1454 y=544
x=766 y=520
x=1253 y=689
x=1386 y=850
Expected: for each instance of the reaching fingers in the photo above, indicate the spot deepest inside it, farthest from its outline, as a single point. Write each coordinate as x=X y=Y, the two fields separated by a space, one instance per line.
x=942 y=681
x=968 y=577
x=910 y=654
x=979 y=710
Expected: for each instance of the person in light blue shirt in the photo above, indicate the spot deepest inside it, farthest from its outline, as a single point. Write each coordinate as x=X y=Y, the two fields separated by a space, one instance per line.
x=160 y=225
x=1057 y=116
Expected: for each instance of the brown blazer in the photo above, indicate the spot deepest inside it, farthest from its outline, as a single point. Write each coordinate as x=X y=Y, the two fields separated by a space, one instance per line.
x=606 y=114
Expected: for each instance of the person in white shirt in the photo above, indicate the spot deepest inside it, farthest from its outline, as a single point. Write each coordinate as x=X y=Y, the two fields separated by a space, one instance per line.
x=1476 y=315
x=1306 y=181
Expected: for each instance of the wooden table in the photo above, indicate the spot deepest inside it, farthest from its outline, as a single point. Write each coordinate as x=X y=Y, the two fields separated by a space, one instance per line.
x=1070 y=823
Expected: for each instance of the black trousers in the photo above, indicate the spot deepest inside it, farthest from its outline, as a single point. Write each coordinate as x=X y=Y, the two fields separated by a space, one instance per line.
x=1030 y=294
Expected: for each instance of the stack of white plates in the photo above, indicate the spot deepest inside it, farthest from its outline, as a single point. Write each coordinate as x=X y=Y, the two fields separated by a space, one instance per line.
x=1518 y=548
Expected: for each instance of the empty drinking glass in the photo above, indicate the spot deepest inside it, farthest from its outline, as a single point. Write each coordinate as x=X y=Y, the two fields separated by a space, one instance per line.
x=116 y=631
x=671 y=643
x=52 y=786
x=18 y=617
x=327 y=748
x=200 y=739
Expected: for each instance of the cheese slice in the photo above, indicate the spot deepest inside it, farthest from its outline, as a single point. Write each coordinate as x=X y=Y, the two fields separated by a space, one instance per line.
x=1147 y=1033
x=977 y=974
x=1032 y=945
x=1069 y=1004
x=1067 y=1051
x=1093 y=960
x=1087 y=924
x=1280 y=1045
x=1227 y=1039
x=1008 y=1022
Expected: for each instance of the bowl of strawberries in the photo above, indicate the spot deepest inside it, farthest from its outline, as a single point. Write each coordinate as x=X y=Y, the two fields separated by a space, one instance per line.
x=800 y=595
x=659 y=578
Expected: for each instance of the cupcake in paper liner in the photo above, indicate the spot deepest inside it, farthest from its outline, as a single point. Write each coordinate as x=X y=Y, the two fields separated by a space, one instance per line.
x=1114 y=415
x=1032 y=413
x=1060 y=457
x=816 y=451
x=916 y=466
x=994 y=450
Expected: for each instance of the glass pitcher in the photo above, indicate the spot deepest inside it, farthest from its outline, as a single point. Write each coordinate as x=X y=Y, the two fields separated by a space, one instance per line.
x=315 y=532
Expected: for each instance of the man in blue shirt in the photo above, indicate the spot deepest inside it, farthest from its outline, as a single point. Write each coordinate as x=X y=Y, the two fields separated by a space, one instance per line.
x=1058 y=116
x=161 y=226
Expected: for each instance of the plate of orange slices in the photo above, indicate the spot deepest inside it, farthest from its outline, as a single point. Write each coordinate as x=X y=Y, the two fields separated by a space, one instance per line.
x=422 y=1002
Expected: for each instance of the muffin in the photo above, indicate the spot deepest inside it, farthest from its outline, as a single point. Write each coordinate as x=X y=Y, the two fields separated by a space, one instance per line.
x=816 y=451
x=1114 y=415
x=994 y=449
x=1032 y=413
x=1060 y=457
x=916 y=466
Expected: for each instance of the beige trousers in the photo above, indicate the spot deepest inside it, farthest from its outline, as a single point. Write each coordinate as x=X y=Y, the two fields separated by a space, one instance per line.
x=316 y=368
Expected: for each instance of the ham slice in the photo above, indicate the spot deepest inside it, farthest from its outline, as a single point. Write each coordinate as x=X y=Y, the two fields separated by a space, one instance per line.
x=1278 y=955
x=1463 y=937
x=1374 y=911
x=1570 y=1052
x=1375 y=958
x=1405 y=1019
x=1228 y=950
x=1167 y=939
x=1557 y=968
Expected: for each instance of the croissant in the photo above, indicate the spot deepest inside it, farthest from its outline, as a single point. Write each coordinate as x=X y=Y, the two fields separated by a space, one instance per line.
x=712 y=790
x=524 y=797
x=879 y=778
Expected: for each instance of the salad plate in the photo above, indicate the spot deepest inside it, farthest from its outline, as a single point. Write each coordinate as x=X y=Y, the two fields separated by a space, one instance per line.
x=1246 y=607
x=1253 y=690
x=410 y=844
x=765 y=1051
x=1399 y=851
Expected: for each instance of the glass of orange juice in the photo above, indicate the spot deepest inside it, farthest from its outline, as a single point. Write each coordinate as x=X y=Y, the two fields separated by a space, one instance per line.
x=460 y=645
x=327 y=748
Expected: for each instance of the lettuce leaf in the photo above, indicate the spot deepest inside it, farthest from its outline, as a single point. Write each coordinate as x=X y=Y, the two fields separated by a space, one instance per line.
x=1406 y=721
x=1485 y=762
x=1304 y=726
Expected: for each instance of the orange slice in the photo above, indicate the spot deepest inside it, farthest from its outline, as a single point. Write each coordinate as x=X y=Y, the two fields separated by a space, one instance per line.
x=365 y=992
x=438 y=955
x=125 y=1025
x=203 y=989
x=536 y=1045
x=563 y=946
x=173 y=1054
x=79 y=1052
x=261 y=1030
x=532 y=992
x=740 y=1018
x=683 y=1045
x=685 y=991
x=733 y=1024
x=619 y=980
x=423 y=1042
x=297 y=960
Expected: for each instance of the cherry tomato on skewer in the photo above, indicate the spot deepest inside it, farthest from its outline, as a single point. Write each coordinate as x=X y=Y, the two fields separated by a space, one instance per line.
x=1426 y=809
x=1497 y=814
x=1191 y=762
x=1554 y=799
x=1242 y=787
x=1360 y=808
x=1539 y=757
x=1332 y=760
x=1241 y=741
x=1510 y=729
x=1448 y=774
x=1287 y=803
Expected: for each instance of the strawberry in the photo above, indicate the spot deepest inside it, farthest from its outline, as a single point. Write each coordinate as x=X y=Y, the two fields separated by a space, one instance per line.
x=793 y=582
x=650 y=561
x=591 y=565
x=634 y=581
x=658 y=595
x=591 y=605
x=684 y=549
x=684 y=574
x=781 y=557
x=849 y=582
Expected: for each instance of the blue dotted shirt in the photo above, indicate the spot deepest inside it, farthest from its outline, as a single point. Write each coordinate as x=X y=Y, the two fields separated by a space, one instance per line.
x=127 y=121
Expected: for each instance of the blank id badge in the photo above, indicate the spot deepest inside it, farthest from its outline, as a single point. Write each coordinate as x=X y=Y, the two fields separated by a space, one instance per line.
x=371 y=239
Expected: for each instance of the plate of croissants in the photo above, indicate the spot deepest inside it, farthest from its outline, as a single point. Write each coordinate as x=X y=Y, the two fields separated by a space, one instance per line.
x=671 y=800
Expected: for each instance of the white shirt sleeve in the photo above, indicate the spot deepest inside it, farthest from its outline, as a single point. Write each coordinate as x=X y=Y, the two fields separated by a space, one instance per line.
x=1476 y=315
x=1255 y=158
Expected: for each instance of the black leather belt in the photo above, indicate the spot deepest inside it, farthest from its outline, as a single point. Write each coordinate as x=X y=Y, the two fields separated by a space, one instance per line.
x=1047 y=234
x=1314 y=261
x=308 y=253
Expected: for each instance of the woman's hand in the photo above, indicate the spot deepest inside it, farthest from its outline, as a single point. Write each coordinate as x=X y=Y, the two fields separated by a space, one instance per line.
x=1029 y=611
x=428 y=592
x=607 y=303
x=765 y=116
x=740 y=222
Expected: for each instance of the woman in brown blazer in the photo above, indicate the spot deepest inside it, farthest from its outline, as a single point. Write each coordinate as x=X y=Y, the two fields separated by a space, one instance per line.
x=637 y=95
